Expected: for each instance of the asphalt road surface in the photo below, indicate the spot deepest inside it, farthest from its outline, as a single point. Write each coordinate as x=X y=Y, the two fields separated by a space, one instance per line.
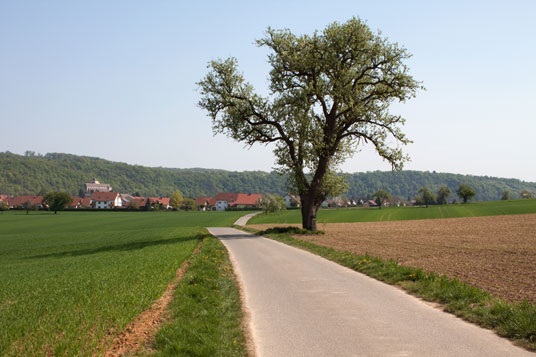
x=303 y=305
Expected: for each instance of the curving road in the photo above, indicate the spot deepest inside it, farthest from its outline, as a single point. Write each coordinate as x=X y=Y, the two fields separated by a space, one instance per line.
x=303 y=305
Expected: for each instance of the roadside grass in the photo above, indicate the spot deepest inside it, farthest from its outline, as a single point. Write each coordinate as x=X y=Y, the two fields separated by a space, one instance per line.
x=516 y=321
x=70 y=281
x=348 y=215
x=205 y=313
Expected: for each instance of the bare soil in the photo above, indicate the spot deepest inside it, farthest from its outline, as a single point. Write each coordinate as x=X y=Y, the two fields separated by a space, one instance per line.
x=496 y=253
x=140 y=333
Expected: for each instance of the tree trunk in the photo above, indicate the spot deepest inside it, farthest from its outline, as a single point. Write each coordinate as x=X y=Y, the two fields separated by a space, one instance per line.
x=308 y=210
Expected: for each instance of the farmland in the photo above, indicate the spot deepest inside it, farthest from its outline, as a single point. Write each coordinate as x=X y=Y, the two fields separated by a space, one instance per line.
x=496 y=253
x=70 y=282
x=404 y=213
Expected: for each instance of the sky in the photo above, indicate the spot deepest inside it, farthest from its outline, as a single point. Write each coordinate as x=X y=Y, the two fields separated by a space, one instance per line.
x=117 y=79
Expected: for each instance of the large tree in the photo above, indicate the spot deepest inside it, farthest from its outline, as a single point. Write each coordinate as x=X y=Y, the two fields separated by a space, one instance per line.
x=329 y=93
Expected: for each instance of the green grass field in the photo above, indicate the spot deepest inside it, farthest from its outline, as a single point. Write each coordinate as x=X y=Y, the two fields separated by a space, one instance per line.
x=67 y=279
x=404 y=213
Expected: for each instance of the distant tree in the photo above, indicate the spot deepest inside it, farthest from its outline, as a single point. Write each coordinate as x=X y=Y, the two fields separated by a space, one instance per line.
x=136 y=194
x=57 y=201
x=380 y=197
x=525 y=194
x=28 y=205
x=176 y=199
x=426 y=196
x=443 y=194
x=505 y=195
x=465 y=192
x=4 y=206
x=189 y=204
x=81 y=193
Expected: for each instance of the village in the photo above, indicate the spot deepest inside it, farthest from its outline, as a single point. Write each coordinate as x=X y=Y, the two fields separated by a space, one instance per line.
x=97 y=195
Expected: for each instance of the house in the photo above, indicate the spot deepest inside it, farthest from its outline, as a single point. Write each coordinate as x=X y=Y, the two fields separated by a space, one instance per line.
x=106 y=200
x=95 y=186
x=224 y=200
x=163 y=202
x=19 y=201
x=75 y=202
x=292 y=201
x=205 y=203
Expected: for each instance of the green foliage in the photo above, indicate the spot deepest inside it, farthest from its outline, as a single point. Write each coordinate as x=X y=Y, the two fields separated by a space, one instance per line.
x=69 y=279
x=176 y=199
x=380 y=197
x=465 y=192
x=513 y=320
x=269 y=203
x=404 y=213
x=57 y=201
x=205 y=313
x=426 y=196
x=3 y=206
x=331 y=92
x=443 y=195
x=21 y=175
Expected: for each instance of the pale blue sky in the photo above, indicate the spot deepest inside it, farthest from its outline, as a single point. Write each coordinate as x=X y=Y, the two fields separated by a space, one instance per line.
x=116 y=79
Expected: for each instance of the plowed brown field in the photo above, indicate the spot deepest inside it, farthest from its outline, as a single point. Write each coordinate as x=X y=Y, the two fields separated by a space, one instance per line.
x=495 y=253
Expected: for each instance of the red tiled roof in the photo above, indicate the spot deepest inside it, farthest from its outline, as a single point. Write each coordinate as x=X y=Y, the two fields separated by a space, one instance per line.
x=164 y=200
x=75 y=203
x=20 y=200
x=226 y=196
x=201 y=201
x=85 y=202
x=246 y=199
x=104 y=196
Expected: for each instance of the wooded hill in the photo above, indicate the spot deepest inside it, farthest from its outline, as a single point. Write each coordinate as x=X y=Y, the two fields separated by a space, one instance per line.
x=35 y=174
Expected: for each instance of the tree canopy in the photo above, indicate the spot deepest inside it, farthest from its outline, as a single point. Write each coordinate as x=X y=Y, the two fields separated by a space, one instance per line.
x=329 y=93
x=465 y=192
x=57 y=201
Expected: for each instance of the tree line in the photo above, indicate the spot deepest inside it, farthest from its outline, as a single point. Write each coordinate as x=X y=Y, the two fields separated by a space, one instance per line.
x=34 y=174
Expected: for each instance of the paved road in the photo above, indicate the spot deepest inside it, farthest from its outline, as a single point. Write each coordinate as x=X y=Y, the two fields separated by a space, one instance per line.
x=242 y=221
x=303 y=305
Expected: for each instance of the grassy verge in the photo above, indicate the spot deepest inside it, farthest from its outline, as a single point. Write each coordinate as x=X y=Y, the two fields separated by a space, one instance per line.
x=515 y=321
x=206 y=316
x=344 y=215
